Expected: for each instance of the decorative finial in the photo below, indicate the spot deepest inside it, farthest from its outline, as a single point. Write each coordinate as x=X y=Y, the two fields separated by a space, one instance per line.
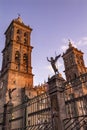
x=19 y=18
x=70 y=44
x=19 y=15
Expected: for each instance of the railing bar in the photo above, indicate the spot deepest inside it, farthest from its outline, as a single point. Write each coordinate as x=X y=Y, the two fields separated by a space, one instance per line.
x=67 y=121
x=78 y=123
x=71 y=124
x=82 y=125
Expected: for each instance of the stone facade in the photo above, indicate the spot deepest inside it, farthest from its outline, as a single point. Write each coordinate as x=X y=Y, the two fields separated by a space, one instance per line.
x=73 y=62
x=68 y=98
x=16 y=77
x=75 y=92
x=16 y=69
x=16 y=72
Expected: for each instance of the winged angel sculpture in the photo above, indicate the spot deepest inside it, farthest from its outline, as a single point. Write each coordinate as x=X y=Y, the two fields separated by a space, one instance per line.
x=53 y=63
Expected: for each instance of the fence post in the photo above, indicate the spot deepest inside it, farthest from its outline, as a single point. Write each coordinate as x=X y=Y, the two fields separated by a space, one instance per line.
x=7 y=116
x=57 y=101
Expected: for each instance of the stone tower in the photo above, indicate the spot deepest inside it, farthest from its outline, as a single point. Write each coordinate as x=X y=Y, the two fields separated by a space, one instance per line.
x=76 y=82
x=16 y=69
x=73 y=62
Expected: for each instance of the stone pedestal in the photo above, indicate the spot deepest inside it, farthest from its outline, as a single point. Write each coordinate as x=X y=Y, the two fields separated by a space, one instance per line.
x=57 y=101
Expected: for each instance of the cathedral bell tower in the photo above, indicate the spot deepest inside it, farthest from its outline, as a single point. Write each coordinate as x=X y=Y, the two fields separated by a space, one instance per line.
x=16 y=67
x=73 y=62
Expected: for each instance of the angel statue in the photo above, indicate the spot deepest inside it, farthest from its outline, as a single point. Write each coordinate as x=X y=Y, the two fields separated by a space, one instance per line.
x=53 y=63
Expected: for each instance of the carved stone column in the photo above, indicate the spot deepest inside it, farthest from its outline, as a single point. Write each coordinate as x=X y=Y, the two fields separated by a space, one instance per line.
x=57 y=101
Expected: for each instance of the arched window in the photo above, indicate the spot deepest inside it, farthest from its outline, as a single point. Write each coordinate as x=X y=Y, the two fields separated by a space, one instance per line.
x=18 y=39
x=25 y=58
x=25 y=41
x=25 y=34
x=25 y=37
x=75 y=76
x=18 y=31
x=25 y=62
x=17 y=56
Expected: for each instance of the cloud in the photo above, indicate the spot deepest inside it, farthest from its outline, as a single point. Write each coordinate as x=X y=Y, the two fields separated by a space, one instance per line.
x=65 y=43
x=82 y=41
x=64 y=47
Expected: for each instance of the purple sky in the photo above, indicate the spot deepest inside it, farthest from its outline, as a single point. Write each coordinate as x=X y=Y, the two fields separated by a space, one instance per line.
x=53 y=23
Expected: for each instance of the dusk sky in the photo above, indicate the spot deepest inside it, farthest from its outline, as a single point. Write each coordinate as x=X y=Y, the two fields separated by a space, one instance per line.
x=53 y=23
